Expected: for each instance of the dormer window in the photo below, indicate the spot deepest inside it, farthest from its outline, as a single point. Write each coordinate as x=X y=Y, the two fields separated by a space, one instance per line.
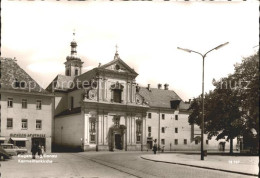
x=19 y=84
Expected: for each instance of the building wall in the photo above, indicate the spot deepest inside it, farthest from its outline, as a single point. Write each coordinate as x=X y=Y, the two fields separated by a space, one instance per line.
x=184 y=132
x=17 y=113
x=61 y=102
x=69 y=131
x=77 y=98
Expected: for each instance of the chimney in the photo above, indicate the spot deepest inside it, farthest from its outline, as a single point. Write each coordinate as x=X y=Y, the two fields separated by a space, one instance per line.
x=189 y=100
x=159 y=86
x=149 y=87
x=166 y=86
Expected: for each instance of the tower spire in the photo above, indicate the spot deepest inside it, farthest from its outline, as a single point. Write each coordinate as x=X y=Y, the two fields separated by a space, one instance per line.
x=73 y=34
x=73 y=64
x=73 y=45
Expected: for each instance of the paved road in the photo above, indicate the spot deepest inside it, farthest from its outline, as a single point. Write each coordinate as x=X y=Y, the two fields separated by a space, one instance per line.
x=103 y=164
x=132 y=163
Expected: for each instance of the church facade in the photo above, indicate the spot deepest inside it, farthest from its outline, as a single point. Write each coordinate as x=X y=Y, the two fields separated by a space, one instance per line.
x=105 y=109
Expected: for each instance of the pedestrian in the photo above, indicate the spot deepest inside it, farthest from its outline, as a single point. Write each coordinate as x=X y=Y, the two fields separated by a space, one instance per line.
x=162 y=149
x=34 y=150
x=154 y=148
x=39 y=150
x=42 y=150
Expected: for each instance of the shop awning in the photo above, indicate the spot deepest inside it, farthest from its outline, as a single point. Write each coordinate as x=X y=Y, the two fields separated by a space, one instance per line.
x=19 y=139
x=2 y=138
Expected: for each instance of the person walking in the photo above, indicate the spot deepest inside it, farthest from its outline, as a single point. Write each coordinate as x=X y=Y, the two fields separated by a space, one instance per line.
x=154 y=147
x=34 y=150
x=42 y=150
x=39 y=150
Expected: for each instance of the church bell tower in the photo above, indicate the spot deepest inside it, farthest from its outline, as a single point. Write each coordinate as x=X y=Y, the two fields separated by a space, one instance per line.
x=73 y=63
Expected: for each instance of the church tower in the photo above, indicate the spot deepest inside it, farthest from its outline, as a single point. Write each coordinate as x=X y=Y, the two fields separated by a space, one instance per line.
x=73 y=64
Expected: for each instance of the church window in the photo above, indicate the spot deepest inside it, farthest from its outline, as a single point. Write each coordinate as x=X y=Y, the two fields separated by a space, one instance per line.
x=117 y=67
x=76 y=72
x=67 y=72
x=117 y=95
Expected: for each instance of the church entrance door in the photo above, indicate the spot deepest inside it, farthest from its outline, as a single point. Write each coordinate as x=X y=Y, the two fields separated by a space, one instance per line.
x=118 y=142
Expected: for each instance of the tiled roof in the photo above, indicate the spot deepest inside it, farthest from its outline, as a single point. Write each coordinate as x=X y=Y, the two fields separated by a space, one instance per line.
x=61 y=82
x=159 y=97
x=184 y=105
x=13 y=76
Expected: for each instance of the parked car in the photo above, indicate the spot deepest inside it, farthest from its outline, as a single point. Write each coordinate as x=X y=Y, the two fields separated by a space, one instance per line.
x=3 y=153
x=13 y=150
x=20 y=150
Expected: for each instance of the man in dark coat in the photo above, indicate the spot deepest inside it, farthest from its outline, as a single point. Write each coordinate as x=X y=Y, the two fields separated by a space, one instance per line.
x=155 y=146
x=34 y=150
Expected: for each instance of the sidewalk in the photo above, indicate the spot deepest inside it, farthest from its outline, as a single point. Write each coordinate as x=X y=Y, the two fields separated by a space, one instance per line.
x=246 y=165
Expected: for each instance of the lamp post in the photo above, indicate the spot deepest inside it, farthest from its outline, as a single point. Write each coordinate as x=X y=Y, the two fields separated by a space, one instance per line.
x=202 y=119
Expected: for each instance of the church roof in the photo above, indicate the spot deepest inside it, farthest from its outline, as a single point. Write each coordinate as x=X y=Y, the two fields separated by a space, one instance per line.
x=61 y=82
x=15 y=79
x=159 y=97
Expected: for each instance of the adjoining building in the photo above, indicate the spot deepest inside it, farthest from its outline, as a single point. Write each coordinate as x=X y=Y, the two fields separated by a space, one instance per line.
x=26 y=108
x=105 y=109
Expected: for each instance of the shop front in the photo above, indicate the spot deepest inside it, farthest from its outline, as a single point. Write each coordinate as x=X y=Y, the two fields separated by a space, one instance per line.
x=28 y=140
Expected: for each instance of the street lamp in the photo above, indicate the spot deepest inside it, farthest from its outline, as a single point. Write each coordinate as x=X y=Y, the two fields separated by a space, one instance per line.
x=202 y=120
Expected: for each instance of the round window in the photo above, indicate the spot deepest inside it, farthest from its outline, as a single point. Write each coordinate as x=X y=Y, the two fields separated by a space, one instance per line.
x=117 y=67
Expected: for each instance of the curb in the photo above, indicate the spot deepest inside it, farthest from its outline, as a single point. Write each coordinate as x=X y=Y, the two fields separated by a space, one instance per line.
x=203 y=167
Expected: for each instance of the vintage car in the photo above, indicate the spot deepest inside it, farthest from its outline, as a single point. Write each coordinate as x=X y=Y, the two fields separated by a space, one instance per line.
x=20 y=150
x=13 y=150
x=3 y=154
x=9 y=148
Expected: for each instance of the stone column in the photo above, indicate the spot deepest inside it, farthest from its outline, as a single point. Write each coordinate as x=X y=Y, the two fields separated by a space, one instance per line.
x=86 y=129
x=104 y=89
x=97 y=132
x=144 y=130
x=127 y=91
x=131 y=92
x=126 y=132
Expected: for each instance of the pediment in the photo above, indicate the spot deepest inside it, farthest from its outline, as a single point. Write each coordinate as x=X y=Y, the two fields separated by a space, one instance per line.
x=118 y=66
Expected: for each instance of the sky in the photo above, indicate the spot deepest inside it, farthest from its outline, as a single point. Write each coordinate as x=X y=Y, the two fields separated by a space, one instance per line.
x=38 y=35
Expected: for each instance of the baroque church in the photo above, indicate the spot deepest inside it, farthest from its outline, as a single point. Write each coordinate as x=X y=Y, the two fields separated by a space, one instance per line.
x=105 y=109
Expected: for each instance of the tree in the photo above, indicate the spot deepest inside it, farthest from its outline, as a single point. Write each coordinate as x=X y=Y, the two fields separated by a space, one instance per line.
x=247 y=73
x=222 y=114
x=231 y=109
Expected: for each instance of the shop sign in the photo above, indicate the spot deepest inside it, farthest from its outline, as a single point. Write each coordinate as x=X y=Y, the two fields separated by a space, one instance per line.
x=27 y=135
